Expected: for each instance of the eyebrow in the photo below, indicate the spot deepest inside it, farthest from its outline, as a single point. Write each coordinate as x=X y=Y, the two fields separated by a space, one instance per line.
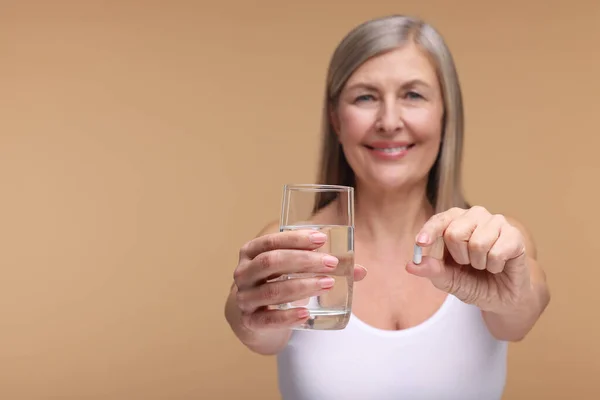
x=369 y=86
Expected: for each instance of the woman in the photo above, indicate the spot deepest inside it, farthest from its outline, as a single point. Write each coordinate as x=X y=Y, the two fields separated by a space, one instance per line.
x=393 y=129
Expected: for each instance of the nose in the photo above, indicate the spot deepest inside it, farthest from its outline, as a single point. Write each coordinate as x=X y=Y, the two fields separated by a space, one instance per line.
x=389 y=120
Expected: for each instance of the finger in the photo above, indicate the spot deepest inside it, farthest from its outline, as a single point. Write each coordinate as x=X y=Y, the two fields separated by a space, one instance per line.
x=283 y=291
x=435 y=270
x=272 y=264
x=483 y=238
x=299 y=239
x=457 y=280
x=434 y=228
x=359 y=272
x=508 y=248
x=459 y=231
x=457 y=235
x=265 y=319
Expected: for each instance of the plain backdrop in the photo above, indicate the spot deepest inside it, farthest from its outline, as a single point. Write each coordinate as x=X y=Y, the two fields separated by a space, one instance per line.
x=143 y=142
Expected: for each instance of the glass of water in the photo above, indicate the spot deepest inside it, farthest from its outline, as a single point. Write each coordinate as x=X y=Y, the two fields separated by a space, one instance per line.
x=329 y=209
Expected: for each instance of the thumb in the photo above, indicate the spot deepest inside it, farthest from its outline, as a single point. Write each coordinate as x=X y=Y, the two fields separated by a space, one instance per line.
x=433 y=269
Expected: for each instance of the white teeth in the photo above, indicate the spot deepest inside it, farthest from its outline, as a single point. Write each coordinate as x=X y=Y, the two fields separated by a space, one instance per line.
x=393 y=149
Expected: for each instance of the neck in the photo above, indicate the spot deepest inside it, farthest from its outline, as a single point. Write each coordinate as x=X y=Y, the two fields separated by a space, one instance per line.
x=390 y=217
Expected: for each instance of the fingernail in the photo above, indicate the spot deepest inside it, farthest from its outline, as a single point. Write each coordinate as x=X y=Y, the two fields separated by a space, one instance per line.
x=417 y=255
x=326 y=282
x=330 y=261
x=318 y=238
x=423 y=238
x=303 y=313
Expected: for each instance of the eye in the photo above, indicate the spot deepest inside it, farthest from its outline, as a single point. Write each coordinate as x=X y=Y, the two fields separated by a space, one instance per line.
x=412 y=95
x=364 y=97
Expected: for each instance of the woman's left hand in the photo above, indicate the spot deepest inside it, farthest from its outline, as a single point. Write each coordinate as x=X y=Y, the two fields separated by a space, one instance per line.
x=484 y=262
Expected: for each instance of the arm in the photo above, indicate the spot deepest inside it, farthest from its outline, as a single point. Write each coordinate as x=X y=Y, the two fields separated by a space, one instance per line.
x=490 y=262
x=265 y=343
x=514 y=325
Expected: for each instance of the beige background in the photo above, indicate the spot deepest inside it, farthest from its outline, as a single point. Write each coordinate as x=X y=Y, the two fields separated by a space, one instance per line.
x=141 y=143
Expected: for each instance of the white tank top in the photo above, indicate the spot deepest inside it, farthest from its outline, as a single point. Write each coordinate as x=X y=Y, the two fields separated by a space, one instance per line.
x=450 y=356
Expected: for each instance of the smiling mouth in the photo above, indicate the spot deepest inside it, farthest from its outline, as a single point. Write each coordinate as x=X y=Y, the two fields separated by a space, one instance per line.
x=390 y=150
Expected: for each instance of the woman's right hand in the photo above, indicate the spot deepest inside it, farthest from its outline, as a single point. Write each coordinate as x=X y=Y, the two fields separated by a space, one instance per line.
x=269 y=256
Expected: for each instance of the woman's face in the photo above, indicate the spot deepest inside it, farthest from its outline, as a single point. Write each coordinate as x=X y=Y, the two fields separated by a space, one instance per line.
x=389 y=119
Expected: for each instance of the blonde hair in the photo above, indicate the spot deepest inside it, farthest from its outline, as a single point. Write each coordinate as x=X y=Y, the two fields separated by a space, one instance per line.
x=374 y=37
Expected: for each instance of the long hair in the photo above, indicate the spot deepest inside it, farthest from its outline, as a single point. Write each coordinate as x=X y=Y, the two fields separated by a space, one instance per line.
x=374 y=37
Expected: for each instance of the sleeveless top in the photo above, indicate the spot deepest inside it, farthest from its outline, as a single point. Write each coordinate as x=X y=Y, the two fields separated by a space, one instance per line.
x=450 y=356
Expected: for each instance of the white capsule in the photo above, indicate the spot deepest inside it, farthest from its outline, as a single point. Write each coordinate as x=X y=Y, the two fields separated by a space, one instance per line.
x=417 y=255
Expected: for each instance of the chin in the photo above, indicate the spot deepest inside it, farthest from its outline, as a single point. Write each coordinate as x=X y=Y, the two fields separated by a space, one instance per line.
x=390 y=183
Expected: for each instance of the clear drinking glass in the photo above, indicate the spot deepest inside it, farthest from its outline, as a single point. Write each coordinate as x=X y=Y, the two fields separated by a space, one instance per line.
x=329 y=311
